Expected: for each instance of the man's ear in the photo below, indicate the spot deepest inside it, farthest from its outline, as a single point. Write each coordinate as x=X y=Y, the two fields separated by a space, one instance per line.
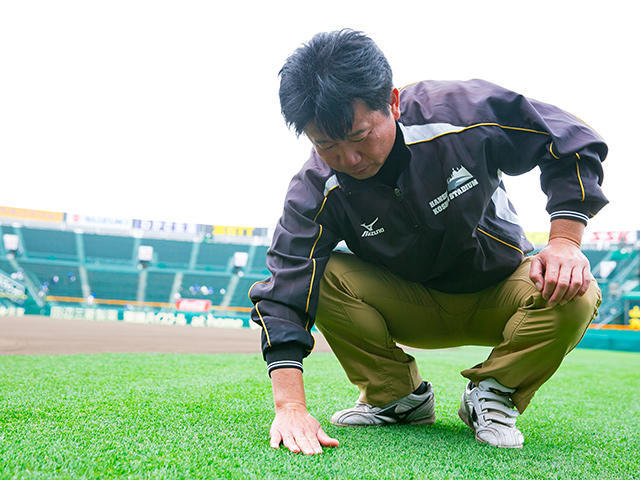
x=394 y=103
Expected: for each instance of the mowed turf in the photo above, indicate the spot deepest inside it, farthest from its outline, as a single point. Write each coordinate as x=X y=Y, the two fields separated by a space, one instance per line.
x=207 y=416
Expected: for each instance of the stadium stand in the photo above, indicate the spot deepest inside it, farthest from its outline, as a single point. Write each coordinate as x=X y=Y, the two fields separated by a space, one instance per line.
x=6 y=267
x=88 y=269
x=258 y=263
x=49 y=243
x=240 y=297
x=169 y=253
x=159 y=286
x=595 y=257
x=204 y=286
x=115 y=285
x=217 y=256
x=618 y=280
x=56 y=279
x=108 y=248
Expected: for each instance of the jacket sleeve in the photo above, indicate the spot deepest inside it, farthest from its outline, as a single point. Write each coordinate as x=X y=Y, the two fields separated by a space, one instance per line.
x=285 y=304
x=568 y=152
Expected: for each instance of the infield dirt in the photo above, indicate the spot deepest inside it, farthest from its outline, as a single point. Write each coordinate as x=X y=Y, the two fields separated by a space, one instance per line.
x=33 y=335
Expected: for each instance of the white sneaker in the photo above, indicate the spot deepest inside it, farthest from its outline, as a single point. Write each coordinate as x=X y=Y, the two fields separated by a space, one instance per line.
x=489 y=411
x=414 y=409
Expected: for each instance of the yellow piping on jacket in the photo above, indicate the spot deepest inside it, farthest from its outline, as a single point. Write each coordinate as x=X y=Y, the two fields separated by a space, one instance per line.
x=263 y=325
x=501 y=241
x=579 y=179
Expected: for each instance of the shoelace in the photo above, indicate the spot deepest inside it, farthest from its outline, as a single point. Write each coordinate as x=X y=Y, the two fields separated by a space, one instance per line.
x=497 y=408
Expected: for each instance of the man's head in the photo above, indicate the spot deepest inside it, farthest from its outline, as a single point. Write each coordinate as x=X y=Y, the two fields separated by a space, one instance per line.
x=338 y=90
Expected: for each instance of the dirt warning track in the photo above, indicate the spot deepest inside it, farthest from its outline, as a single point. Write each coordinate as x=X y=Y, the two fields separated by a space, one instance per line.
x=33 y=335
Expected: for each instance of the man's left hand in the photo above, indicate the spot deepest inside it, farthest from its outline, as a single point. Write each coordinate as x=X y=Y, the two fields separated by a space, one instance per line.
x=560 y=271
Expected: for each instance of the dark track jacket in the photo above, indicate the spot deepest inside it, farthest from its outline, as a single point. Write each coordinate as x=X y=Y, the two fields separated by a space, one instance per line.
x=447 y=222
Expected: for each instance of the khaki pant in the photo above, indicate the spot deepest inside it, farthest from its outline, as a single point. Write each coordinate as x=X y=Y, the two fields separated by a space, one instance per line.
x=364 y=310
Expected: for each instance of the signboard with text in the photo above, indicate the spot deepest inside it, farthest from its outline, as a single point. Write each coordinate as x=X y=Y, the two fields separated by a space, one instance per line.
x=78 y=220
x=158 y=226
x=28 y=214
x=611 y=237
x=193 y=305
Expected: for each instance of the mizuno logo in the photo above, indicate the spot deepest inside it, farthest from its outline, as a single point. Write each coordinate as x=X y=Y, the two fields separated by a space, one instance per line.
x=370 y=226
x=369 y=231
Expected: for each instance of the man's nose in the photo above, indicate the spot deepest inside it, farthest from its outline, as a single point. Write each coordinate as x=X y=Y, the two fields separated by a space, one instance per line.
x=351 y=157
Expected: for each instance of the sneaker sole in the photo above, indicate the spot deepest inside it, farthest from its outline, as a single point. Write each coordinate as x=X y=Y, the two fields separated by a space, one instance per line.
x=422 y=421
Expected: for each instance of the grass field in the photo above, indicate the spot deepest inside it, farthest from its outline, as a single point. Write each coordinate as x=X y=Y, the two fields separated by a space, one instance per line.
x=207 y=416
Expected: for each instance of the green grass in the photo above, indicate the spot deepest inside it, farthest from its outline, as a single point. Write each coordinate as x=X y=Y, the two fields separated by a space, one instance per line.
x=207 y=416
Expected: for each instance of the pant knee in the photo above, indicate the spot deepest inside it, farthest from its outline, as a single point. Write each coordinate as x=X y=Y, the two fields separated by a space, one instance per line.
x=573 y=318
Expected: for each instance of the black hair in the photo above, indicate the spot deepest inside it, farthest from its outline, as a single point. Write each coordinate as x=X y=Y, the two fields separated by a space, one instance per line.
x=321 y=79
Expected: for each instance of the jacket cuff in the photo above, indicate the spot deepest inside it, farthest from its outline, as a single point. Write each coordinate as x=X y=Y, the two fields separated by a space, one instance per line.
x=570 y=215
x=288 y=355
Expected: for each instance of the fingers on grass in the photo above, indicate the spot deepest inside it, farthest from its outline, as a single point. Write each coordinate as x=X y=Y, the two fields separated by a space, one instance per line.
x=326 y=440
x=307 y=442
x=276 y=439
x=289 y=442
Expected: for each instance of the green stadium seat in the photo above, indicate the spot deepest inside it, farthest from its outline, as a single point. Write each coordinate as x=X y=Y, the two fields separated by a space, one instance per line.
x=113 y=285
x=259 y=261
x=68 y=278
x=49 y=243
x=159 y=287
x=108 y=247
x=170 y=253
x=216 y=256
x=240 y=296
x=216 y=283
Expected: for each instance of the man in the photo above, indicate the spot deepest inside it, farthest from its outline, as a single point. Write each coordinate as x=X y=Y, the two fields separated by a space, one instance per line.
x=411 y=181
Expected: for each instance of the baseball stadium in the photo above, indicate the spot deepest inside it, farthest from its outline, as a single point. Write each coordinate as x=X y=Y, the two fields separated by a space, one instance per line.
x=127 y=350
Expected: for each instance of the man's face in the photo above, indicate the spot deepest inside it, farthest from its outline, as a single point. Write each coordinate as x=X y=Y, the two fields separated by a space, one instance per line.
x=364 y=151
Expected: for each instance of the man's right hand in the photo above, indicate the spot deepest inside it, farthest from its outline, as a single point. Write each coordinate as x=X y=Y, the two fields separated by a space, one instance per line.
x=298 y=431
x=293 y=426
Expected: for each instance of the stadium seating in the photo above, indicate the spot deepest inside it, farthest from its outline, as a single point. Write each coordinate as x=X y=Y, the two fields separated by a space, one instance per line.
x=258 y=263
x=6 y=267
x=192 y=287
x=619 y=282
x=115 y=285
x=159 y=286
x=595 y=257
x=169 y=253
x=240 y=296
x=63 y=281
x=49 y=243
x=108 y=247
x=217 y=256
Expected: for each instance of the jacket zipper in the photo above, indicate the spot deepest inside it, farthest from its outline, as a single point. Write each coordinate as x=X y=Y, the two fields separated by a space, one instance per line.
x=399 y=195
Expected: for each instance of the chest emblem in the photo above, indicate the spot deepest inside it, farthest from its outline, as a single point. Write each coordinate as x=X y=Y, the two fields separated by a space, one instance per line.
x=459 y=182
x=369 y=231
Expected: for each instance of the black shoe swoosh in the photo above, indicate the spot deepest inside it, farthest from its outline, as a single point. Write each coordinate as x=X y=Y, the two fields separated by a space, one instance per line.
x=390 y=412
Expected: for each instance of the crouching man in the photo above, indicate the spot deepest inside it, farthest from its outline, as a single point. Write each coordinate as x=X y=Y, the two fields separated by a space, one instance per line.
x=411 y=181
